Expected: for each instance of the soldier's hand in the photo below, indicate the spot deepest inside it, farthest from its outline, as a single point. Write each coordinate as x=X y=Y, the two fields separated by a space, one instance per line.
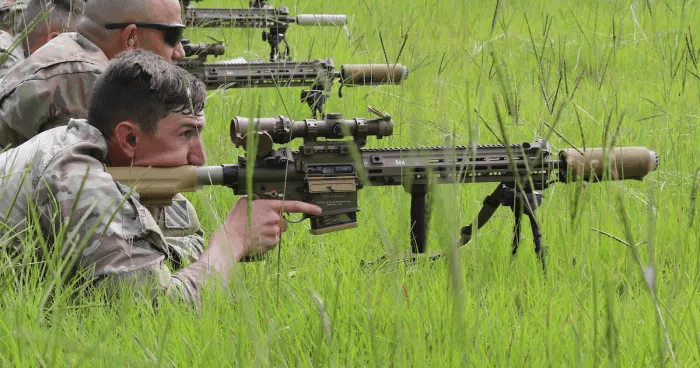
x=266 y=223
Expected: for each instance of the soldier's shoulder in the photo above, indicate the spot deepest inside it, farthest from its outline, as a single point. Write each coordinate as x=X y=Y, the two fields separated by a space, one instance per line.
x=69 y=53
x=59 y=144
x=6 y=41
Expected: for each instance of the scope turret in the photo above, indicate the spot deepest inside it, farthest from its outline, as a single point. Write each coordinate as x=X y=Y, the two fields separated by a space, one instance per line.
x=282 y=129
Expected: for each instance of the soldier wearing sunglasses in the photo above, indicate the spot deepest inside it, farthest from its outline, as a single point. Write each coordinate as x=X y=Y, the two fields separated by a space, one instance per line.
x=54 y=84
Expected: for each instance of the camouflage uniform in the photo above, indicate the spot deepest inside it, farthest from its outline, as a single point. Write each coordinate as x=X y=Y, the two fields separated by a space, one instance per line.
x=53 y=85
x=49 y=87
x=59 y=175
x=13 y=57
x=9 y=11
x=180 y=227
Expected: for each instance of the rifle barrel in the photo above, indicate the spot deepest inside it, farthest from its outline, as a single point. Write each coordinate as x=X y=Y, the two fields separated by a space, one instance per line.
x=225 y=74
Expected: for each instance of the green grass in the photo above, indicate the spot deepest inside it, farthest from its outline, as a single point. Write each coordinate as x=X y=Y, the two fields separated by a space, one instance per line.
x=607 y=72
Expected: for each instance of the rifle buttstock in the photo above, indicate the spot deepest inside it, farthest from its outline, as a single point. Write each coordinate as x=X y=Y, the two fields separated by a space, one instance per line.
x=156 y=186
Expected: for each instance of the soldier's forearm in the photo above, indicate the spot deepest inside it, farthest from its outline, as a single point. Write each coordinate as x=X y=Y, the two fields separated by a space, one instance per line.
x=222 y=253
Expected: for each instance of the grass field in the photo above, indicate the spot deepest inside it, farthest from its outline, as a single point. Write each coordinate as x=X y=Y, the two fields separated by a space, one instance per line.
x=601 y=73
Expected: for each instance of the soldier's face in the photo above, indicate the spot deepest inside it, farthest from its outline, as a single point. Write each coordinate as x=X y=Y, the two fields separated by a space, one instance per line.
x=177 y=141
x=154 y=40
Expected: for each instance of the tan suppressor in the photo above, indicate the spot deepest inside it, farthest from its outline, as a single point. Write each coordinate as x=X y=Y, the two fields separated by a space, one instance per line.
x=591 y=164
x=372 y=74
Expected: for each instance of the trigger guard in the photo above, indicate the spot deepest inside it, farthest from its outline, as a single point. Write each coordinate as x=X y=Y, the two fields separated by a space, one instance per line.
x=303 y=217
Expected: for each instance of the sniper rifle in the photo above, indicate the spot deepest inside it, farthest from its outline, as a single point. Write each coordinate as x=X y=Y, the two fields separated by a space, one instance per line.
x=317 y=74
x=329 y=172
x=260 y=15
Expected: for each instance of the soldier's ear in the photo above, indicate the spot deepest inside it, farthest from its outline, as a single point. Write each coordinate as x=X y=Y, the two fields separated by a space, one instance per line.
x=51 y=35
x=125 y=137
x=128 y=37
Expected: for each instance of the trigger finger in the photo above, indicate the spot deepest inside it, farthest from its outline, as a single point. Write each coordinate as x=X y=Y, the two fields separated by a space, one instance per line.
x=283 y=225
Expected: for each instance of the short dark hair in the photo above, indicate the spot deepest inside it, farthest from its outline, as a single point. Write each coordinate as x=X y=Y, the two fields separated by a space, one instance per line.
x=142 y=87
x=62 y=12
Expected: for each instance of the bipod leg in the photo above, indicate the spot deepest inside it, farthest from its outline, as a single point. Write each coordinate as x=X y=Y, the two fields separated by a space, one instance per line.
x=489 y=207
x=274 y=37
x=517 y=212
x=526 y=203
x=274 y=45
x=315 y=98
x=536 y=234
x=287 y=51
x=418 y=218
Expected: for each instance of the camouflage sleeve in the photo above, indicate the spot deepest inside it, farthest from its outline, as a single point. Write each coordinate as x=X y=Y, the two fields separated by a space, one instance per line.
x=181 y=229
x=36 y=105
x=112 y=237
x=8 y=59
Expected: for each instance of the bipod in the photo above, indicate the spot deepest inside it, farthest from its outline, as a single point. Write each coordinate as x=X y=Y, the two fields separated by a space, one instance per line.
x=520 y=201
x=315 y=98
x=274 y=38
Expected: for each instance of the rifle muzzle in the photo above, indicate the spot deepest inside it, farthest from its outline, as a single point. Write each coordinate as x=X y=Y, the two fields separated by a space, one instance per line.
x=595 y=164
x=372 y=74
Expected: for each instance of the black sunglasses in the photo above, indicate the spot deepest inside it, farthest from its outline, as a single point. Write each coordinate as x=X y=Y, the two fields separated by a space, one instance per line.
x=172 y=32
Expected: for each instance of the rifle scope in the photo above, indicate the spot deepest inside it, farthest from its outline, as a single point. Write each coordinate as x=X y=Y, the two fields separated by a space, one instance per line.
x=283 y=129
x=202 y=49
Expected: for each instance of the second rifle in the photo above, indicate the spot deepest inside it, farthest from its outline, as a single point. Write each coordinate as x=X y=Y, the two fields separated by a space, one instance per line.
x=318 y=75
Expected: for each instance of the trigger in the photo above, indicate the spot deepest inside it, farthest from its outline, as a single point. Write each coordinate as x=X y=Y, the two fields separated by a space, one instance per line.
x=294 y=221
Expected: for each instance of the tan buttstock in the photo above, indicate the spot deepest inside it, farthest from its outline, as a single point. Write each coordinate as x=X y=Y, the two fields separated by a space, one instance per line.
x=156 y=186
x=623 y=163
